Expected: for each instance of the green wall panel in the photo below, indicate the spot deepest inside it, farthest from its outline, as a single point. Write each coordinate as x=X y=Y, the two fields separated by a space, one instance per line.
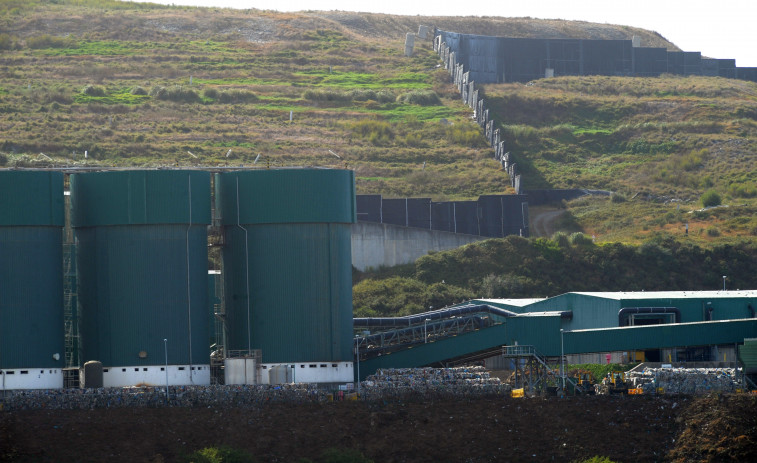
x=140 y=197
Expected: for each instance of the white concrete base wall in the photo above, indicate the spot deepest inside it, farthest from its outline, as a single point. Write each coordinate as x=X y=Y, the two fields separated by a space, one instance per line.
x=310 y=372
x=378 y=244
x=155 y=375
x=31 y=378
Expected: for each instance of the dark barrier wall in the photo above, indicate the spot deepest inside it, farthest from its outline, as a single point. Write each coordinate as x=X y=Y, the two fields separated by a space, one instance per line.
x=419 y=212
x=491 y=215
x=369 y=208
x=507 y=59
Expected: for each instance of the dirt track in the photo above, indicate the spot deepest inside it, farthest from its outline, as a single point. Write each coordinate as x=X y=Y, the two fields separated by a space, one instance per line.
x=497 y=429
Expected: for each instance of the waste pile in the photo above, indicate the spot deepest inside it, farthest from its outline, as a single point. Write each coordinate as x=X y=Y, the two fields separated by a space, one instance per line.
x=243 y=396
x=461 y=381
x=689 y=381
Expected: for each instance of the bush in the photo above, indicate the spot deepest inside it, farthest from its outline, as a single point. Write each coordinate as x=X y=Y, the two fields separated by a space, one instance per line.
x=138 y=91
x=326 y=95
x=50 y=41
x=93 y=90
x=3 y=159
x=617 y=198
x=579 y=239
x=420 y=97
x=377 y=132
x=8 y=42
x=468 y=135
x=711 y=198
x=176 y=93
x=236 y=97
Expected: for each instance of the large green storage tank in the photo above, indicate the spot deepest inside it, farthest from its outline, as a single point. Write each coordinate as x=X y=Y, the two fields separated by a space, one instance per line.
x=288 y=268
x=142 y=259
x=31 y=280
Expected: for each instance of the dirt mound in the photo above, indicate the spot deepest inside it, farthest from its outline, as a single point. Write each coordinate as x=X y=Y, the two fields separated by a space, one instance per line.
x=491 y=429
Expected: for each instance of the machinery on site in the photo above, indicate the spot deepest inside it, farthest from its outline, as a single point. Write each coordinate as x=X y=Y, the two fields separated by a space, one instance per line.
x=613 y=383
x=584 y=381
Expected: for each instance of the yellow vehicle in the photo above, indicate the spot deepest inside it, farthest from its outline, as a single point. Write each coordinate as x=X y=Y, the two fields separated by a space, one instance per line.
x=614 y=383
x=584 y=380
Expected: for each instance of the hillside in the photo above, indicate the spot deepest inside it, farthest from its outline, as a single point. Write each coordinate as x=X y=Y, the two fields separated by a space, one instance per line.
x=151 y=86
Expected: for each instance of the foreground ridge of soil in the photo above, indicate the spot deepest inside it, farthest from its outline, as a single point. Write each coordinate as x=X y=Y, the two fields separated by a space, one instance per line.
x=495 y=429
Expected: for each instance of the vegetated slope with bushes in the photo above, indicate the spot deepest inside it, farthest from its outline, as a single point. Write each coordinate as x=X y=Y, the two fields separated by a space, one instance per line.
x=669 y=145
x=149 y=85
x=515 y=267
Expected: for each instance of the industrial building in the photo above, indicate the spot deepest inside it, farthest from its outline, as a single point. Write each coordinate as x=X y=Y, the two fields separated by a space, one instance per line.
x=287 y=274
x=141 y=305
x=31 y=280
x=142 y=260
x=278 y=306
x=659 y=326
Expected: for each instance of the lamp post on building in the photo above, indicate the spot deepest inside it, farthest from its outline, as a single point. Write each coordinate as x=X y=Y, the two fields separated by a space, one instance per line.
x=723 y=282
x=562 y=358
x=165 y=348
x=425 y=335
x=357 y=357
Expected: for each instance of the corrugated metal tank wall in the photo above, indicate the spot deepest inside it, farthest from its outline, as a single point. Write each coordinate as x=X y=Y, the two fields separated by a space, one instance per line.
x=31 y=263
x=287 y=262
x=142 y=264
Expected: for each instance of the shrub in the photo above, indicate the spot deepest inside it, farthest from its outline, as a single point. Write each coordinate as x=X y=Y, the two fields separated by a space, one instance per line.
x=50 y=41
x=420 y=97
x=326 y=95
x=175 y=93
x=466 y=135
x=711 y=198
x=236 y=96
x=8 y=42
x=617 y=198
x=579 y=239
x=3 y=159
x=93 y=90
x=138 y=91
x=713 y=232
x=210 y=93
x=561 y=239
x=376 y=132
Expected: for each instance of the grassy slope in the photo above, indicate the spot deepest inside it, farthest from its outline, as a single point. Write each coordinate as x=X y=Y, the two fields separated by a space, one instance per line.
x=666 y=139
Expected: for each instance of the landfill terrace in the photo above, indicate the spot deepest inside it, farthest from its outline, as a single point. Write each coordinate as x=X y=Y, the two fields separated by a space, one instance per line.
x=407 y=416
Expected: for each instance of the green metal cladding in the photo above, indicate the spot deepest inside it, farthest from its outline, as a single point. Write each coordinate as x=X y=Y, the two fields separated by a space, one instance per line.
x=288 y=262
x=142 y=265
x=31 y=263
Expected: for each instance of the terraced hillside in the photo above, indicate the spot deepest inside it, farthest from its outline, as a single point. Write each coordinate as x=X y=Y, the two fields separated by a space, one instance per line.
x=148 y=85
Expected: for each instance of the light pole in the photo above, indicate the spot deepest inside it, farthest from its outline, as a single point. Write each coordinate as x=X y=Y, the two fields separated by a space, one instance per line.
x=357 y=356
x=723 y=282
x=165 y=348
x=425 y=335
x=562 y=358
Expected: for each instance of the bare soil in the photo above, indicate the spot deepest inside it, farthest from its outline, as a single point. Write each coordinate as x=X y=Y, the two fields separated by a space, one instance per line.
x=722 y=428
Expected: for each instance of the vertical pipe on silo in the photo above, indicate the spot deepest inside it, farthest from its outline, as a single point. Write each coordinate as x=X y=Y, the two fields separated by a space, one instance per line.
x=247 y=271
x=189 y=294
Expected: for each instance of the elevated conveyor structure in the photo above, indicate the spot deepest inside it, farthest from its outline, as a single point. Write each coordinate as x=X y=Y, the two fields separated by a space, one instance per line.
x=543 y=332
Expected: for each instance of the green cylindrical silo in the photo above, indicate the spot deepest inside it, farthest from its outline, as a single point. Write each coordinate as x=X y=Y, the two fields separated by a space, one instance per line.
x=31 y=280
x=288 y=268
x=141 y=248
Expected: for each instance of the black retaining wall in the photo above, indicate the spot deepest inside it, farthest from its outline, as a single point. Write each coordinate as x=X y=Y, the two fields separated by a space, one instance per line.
x=490 y=215
x=507 y=59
